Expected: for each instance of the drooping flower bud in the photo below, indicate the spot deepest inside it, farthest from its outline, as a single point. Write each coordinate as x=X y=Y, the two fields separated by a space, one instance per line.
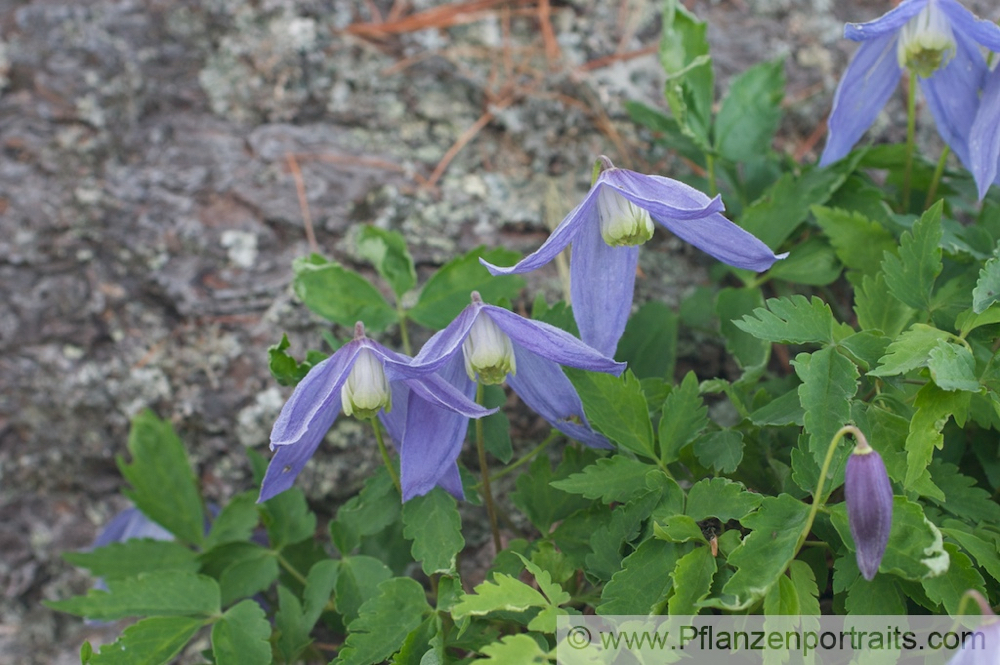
x=868 y=495
x=366 y=390
x=622 y=222
x=926 y=43
x=488 y=352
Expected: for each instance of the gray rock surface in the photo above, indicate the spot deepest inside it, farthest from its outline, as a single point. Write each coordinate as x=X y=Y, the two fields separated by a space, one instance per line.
x=149 y=216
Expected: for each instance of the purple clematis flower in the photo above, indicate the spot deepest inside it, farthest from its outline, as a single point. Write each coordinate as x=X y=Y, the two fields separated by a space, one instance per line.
x=868 y=495
x=614 y=218
x=363 y=378
x=940 y=41
x=983 y=646
x=984 y=142
x=491 y=344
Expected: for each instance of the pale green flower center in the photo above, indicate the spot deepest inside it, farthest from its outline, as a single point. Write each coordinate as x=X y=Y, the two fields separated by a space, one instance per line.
x=622 y=222
x=926 y=43
x=488 y=352
x=366 y=390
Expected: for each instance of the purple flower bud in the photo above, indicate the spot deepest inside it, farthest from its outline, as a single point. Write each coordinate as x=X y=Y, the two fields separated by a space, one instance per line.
x=869 y=507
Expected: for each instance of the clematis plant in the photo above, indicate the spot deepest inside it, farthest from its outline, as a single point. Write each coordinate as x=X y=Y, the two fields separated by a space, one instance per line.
x=606 y=230
x=984 y=148
x=363 y=379
x=938 y=41
x=868 y=496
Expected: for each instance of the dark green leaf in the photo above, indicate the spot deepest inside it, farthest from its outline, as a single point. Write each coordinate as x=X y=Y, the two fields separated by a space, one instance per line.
x=649 y=343
x=733 y=304
x=358 y=578
x=369 y=512
x=293 y=633
x=287 y=518
x=794 y=320
x=542 y=503
x=859 y=241
x=934 y=406
x=684 y=417
x=284 y=368
x=865 y=348
x=679 y=529
x=433 y=524
x=985 y=553
x=169 y=593
x=829 y=382
x=447 y=292
x=388 y=253
x=878 y=309
x=949 y=588
x=135 y=556
x=686 y=61
x=616 y=407
x=786 y=409
x=721 y=451
x=881 y=596
x=721 y=498
x=236 y=521
x=152 y=641
x=340 y=295
x=812 y=262
x=163 y=486
x=750 y=112
x=962 y=497
x=240 y=637
x=804 y=579
x=667 y=131
x=644 y=580
x=384 y=621
x=910 y=275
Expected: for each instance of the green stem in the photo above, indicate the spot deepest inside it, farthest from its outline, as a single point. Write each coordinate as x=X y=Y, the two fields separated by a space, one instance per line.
x=936 y=180
x=485 y=473
x=911 y=130
x=713 y=187
x=818 y=499
x=404 y=331
x=385 y=455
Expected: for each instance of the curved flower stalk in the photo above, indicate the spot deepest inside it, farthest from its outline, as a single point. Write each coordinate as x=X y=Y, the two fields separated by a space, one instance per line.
x=606 y=229
x=363 y=379
x=868 y=495
x=490 y=345
x=939 y=41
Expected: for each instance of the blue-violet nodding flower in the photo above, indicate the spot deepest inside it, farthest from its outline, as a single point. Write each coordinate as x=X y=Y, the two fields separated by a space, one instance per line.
x=362 y=378
x=868 y=495
x=940 y=41
x=982 y=647
x=606 y=229
x=491 y=344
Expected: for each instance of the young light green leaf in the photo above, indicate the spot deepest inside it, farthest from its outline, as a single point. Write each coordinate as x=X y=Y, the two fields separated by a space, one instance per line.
x=962 y=576
x=721 y=451
x=649 y=343
x=953 y=367
x=750 y=112
x=388 y=253
x=503 y=594
x=987 y=289
x=556 y=595
x=433 y=524
x=829 y=383
x=878 y=309
x=934 y=406
x=692 y=578
x=447 y=292
x=910 y=350
x=512 y=649
x=240 y=637
x=134 y=557
x=164 y=487
x=153 y=640
x=910 y=275
x=384 y=621
x=684 y=417
x=859 y=241
x=765 y=552
x=615 y=479
x=616 y=407
x=340 y=295
x=720 y=498
x=642 y=583
x=794 y=320
x=168 y=593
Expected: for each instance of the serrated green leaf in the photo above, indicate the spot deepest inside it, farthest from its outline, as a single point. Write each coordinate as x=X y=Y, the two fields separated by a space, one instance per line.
x=881 y=596
x=860 y=242
x=794 y=320
x=134 y=557
x=386 y=250
x=953 y=367
x=153 y=641
x=948 y=589
x=384 y=621
x=643 y=581
x=985 y=553
x=667 y=131
x=934 y=406
x=447 y=292
x=782 y=599
x=616 y=407
x=607 y=541
x=692 y=578
x=765 y=552
x=340 y=295
x=168 y=593
x=556 y=595
x=865 y=348
x=878 y=309
x=987 y=289
x=910 y=350
x=293 y=633
x=968 y=320
x=358 y=578
x=721 y=498
x=542 y=503
x=829 y=383
x=679 y=529
x=962 y=496
x=812 y=262
x=731 y=305
x=910 y=275
x=721 y=451
x=513 y=649
x=240 y=637
x=649 y=343
x=785 y=409
x=236 y=520
x=615 y=479
x=750 y=112
x=287 y=518
x=804 y=580
x=503 y=594
x=433 y=524
x=164 y=487
x=684 y=417
x=242 y=568
x=684 y=56
x=373 y=509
